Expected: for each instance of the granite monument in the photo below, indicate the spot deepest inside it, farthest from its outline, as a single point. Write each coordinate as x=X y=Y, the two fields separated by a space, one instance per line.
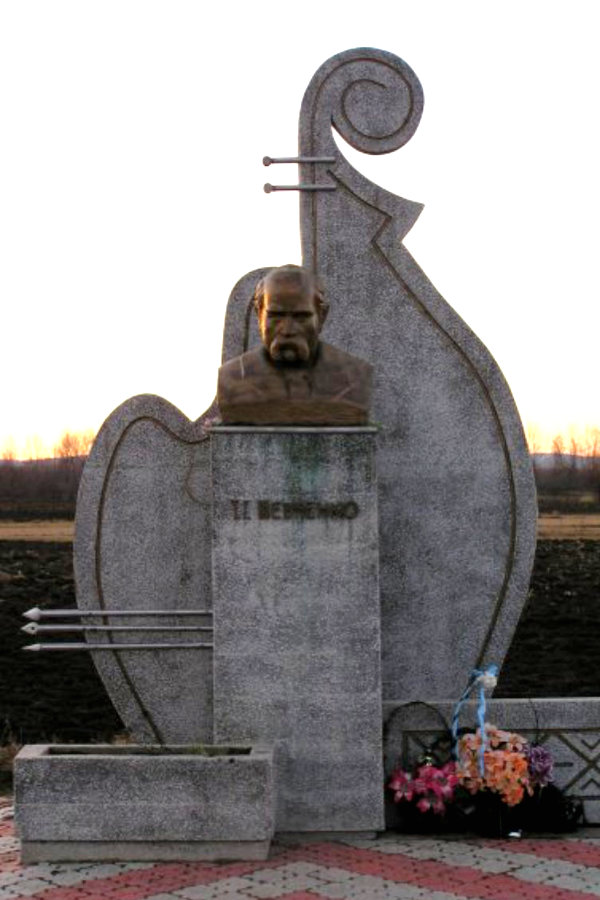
x=455 y=491
x=334 y=565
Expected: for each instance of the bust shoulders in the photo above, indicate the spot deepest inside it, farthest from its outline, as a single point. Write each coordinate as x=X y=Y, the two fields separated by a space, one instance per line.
x=334 y=389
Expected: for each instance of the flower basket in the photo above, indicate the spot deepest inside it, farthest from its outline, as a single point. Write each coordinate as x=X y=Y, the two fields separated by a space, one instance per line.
x=405 y=818
x=495 y=787
x=492 y=818
x=427 y=790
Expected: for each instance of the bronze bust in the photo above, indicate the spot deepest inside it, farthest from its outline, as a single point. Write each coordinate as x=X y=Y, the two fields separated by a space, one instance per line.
x=294 y=378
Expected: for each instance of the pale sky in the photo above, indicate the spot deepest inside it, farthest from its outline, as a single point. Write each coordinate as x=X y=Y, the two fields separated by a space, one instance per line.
x=131 y=201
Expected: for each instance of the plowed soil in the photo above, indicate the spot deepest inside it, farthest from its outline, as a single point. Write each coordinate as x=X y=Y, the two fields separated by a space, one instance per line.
x=58 y=696
x=45 y=696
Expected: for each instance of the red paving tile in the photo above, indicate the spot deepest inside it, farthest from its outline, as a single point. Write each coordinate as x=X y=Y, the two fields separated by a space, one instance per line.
x=162 y=878
x=430 y=874
x=572 y=851
x=67 y=893
x=442 y=876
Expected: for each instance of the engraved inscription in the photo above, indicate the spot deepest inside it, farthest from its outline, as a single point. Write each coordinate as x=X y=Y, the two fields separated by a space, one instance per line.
x=241 y=509
x=284 y=510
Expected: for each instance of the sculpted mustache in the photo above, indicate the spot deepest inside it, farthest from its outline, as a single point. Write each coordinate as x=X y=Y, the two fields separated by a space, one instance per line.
x=298 y=345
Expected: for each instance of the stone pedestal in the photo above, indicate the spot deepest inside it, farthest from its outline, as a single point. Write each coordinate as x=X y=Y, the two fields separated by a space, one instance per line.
x=297 y=619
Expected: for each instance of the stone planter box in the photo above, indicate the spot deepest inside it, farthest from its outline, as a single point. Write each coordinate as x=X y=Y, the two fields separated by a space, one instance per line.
x=104 y=802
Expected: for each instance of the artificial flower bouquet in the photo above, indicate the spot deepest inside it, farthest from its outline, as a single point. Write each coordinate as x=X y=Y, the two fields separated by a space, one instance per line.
x=430 y=787
x=490 y=776
x=510 y=767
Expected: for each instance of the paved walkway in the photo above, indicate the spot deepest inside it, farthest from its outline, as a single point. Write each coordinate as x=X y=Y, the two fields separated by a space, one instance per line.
x=394 y=867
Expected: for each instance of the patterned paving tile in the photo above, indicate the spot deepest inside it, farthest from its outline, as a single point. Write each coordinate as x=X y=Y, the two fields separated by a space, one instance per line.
x=391 y=868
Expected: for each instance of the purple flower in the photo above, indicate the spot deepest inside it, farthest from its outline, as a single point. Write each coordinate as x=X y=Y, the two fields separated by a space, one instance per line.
x=540 y=765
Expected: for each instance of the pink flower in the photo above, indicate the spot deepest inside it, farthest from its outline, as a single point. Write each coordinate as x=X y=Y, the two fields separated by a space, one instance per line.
x=430 y=787
x=402 y=785
x=438 y=807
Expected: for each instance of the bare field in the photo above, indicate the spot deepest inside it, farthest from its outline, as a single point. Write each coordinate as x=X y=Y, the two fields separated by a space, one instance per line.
x=59 y=697
x=551 y=527
x=37 y=530
x=569 y=527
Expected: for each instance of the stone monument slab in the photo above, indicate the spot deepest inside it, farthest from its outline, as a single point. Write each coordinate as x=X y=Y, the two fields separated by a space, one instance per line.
x=457 y=512
x=456 y=491
x=296 y=605
x=142 y=542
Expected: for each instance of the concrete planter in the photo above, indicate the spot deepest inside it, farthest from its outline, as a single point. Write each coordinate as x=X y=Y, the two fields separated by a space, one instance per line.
x=85 y=802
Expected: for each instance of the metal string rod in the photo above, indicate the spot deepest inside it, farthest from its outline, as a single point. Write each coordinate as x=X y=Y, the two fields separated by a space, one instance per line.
x=269 y=188
x=270 y=160
x=36 y=614
x=116 y=648
x=33 y=628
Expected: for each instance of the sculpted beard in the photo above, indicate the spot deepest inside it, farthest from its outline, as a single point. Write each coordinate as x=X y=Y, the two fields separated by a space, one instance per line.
x=290 y=349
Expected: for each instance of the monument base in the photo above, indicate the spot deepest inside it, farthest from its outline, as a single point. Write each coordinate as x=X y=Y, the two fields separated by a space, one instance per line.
x=104 y=802
x=143 y=851
x=568 y=727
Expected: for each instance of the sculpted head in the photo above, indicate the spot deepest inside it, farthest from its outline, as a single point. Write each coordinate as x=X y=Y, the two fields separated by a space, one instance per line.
x=291 y=311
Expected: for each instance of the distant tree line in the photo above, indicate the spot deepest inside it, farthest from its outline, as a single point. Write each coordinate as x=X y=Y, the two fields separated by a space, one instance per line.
x=567 y=477
x=577 y=442
x=43 y=488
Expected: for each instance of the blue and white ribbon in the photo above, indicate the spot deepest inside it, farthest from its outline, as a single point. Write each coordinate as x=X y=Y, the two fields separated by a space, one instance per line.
x=481 y=678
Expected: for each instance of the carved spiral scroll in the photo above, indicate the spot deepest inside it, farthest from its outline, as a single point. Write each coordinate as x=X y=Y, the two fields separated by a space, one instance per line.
x=372 y=98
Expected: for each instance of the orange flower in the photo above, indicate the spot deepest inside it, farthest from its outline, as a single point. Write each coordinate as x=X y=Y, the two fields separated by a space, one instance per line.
x=505 y=765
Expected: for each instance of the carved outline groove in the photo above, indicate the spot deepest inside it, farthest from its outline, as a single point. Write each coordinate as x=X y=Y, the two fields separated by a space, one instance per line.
x=422 y=308
x=313 y=137
x=98 y=556
x=379 y=84
x=320 y=141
